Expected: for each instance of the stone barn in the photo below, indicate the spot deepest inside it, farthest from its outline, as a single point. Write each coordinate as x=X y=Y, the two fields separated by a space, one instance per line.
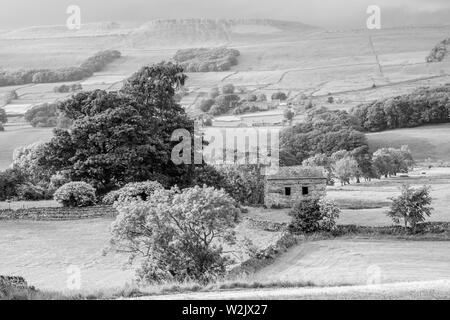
x=292 y=184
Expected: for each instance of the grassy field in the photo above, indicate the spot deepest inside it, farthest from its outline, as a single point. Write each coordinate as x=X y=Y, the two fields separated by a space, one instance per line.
x=425 y=142
x=41 y=251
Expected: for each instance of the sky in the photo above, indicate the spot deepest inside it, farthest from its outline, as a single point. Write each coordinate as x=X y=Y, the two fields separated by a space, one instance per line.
x=324 y=13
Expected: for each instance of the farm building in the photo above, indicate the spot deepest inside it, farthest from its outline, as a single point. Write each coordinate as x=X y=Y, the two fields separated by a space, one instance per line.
x=289 y=185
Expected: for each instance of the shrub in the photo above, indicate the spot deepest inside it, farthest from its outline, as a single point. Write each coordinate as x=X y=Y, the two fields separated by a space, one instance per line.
x=207 y=60
x=3 y=116
x=76 y=194
x=413 y=206
x=313 y=215
x=177 y=234
x=133 y=191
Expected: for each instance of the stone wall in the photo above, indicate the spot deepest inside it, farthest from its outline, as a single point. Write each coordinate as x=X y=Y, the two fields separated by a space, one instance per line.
x=275 y=191
x=58 y=213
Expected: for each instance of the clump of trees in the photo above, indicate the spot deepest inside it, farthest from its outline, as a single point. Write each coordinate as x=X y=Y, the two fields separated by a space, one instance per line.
x=439 y=52
x=424 y=106
x=412 y=206
x=178 y=235
x=93 y=64
x=279 y=96
x=207 y=60
x=324 y=132
x=68 y=88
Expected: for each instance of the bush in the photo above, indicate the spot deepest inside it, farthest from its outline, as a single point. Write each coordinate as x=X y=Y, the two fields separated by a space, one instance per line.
x=76 y=194
x=206 y=60
x=279 y=96
x=313 y=215
x=228 y=89
x=9 y=180
x=413 y=206
x=133 y=191
x=3 y=116
x=177 y=234
x=224 y=103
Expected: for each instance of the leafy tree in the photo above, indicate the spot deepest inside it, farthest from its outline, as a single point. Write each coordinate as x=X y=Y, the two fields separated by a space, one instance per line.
x=289 y=114
x=424 y=106
x=413 y=206
x=10 y=179
x=178 y=235
x=390 y=161
x=214 y=93
x=224 y=103
x=345 y=169
x=313 y=215
x=261 y=97
x=279 y=96
x=206 y=105
x=228 y=89
x=26 y=160
x=121 y=137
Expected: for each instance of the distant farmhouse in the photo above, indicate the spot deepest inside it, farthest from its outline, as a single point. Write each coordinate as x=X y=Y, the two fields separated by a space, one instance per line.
x=292 y=184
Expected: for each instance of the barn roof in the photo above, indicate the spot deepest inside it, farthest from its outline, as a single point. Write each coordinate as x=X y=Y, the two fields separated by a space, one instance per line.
x=297 y=172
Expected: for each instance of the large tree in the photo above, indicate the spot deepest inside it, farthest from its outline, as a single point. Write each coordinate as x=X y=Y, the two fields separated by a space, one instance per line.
x=125 y=136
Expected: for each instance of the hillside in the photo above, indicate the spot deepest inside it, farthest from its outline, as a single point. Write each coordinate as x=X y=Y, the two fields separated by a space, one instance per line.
x=425 y=142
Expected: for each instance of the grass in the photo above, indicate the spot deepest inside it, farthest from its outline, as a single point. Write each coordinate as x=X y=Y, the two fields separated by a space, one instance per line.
x=18 y=136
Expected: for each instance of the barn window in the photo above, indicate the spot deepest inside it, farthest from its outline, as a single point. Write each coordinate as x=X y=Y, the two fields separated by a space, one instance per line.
x=305 y=191
x=287 y=191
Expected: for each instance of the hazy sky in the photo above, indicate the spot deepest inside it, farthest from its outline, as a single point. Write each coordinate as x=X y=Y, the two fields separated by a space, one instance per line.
x=328 y=13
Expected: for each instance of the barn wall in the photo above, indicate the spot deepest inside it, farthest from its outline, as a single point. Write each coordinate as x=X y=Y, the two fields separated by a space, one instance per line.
x=275 y=190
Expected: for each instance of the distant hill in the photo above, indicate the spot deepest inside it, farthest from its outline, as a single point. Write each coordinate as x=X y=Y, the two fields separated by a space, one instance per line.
x=171 y=32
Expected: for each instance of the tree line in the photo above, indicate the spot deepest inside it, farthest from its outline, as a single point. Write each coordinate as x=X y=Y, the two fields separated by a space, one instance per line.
x=93 y=64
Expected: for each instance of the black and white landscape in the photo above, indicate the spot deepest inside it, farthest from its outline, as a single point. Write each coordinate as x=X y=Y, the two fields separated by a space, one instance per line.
x=259 y=150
